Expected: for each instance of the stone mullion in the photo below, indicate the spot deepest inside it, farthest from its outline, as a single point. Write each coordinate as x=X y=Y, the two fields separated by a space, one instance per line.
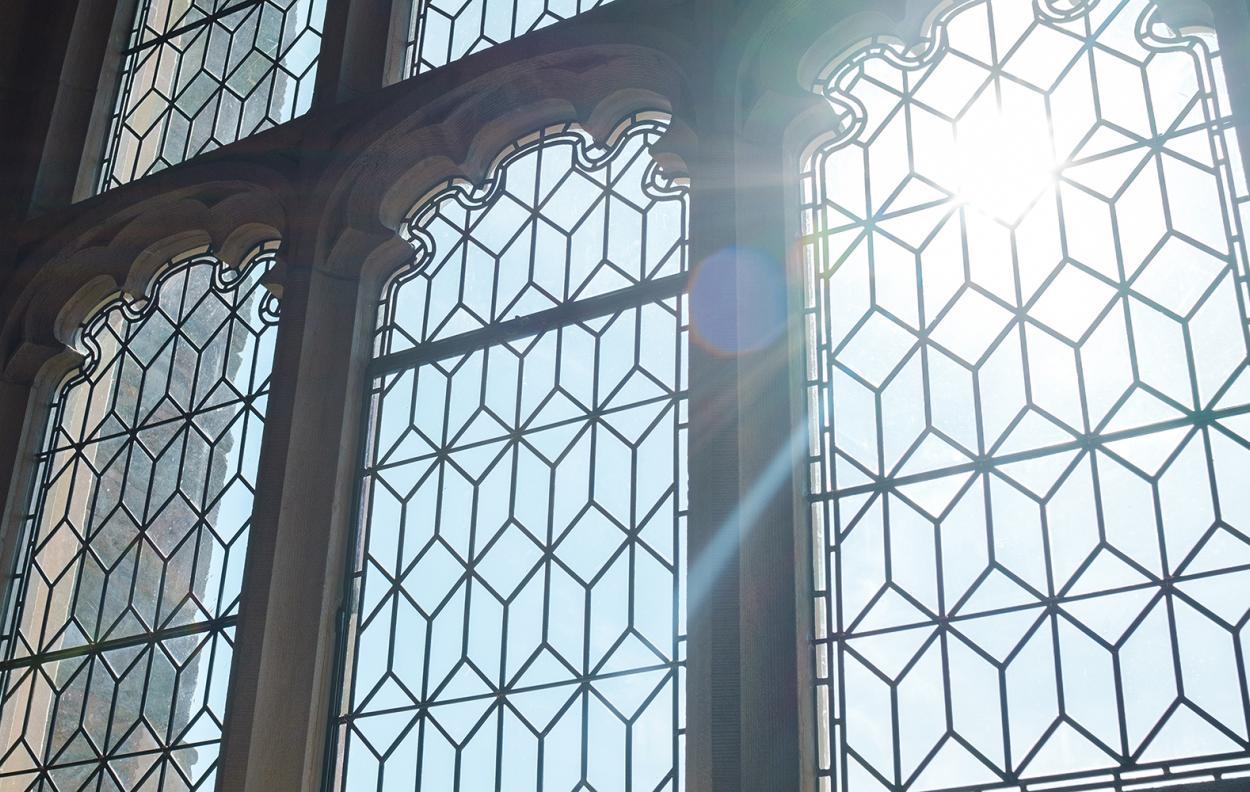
x=353 y=58
x=1232 y=26
x=776 y=618
x=23 y=417
x=743 y=688
x=714 y=696
x=744 y=560
x=278 y=711
x=56 y=94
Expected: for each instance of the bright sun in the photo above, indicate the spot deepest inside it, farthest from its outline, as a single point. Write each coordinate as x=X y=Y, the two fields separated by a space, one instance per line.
x=1005 y=154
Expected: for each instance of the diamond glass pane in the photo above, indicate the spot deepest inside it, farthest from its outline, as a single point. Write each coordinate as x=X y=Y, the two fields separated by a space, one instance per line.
x=518 y=604
x=204 y=73
x=441 y=31
x=563 y=221
x=1029 y=406
x=119 y=631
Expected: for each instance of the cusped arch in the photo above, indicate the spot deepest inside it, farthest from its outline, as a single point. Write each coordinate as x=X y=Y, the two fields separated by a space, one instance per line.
x=59 y=283
x=626 y=147
x=461 y=136
x=776 y=52
x=780 y=54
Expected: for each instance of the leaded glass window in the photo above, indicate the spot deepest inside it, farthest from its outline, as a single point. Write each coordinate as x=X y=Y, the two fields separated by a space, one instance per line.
x=198 y=74
x=516 y=613
x=1028 y=399
x=441 y=31
x=120 y=622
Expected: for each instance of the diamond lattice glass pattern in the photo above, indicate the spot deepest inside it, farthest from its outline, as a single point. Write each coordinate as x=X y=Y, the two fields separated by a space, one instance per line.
x=199 y=74
x=518 y=620
x=1029 y=405
x=120 y=626
x=441 y=31
x=563 y=222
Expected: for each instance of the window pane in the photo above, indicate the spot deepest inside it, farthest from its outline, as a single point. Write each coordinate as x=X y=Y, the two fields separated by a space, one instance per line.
x=1028 y=395
x=441 y=31
x=518 y=612
x=200 y=75
x=547 y=232
x=118 y=638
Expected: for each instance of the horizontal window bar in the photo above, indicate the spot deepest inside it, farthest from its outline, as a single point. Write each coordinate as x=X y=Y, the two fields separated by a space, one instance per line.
x=533 y=324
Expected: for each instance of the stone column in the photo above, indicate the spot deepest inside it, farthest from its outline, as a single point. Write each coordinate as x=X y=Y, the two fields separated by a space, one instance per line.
x=747 y=617
x=354 y=49
x=276 y=729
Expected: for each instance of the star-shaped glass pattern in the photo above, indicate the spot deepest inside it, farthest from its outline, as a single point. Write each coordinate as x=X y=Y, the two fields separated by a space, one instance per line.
x=198 y=74
x=120 y=626
x=1029 y=404
x=517 y=594
x=441 y=31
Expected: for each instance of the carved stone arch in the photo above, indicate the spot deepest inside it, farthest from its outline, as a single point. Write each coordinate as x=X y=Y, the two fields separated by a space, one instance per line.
x=460 y=135
x=88 y=266
x=1183 y=15
x=209 y=179
x=59 y=284
x=777 y=51
x=475 y=89
x=379 y=256
x=463 y=135
x=588 y=149
x=498 y=140
x=780 y=51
